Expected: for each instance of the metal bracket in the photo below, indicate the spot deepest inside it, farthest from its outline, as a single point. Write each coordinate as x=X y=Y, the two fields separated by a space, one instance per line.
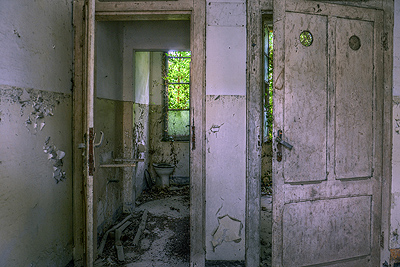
x=101 y=139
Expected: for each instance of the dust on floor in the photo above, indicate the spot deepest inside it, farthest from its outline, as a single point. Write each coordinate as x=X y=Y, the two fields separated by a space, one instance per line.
x=165 y=240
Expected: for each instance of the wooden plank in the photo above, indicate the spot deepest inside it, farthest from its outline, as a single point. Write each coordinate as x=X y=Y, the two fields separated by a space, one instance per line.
x=118 y=243
x=104 y=240
x=254 y=131
x=141 y=228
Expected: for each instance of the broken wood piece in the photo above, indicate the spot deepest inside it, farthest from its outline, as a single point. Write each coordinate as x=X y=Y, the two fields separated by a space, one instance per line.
x=104 y=239
x=118 y=232
x=120 y=253
x=140 y=229
x=118 y=243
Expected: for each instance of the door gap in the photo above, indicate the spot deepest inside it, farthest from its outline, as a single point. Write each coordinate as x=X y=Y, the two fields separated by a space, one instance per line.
x=266 y=154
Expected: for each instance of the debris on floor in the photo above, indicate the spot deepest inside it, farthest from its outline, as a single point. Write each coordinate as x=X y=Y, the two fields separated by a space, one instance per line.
x=156 y=233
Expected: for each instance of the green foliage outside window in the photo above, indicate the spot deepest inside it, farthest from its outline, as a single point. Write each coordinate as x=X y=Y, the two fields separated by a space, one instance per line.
x=177 y=95
x=268 y=71
x=178 y=79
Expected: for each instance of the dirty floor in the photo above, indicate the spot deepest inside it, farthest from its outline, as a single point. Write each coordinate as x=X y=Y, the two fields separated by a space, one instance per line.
x=165 y=239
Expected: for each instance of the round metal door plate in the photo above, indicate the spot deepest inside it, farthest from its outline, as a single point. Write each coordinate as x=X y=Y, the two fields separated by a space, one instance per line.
x=354 y=42
x=306 y=38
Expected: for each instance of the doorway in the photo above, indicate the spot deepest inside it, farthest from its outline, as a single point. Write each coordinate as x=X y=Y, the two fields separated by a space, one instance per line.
x=129 y=107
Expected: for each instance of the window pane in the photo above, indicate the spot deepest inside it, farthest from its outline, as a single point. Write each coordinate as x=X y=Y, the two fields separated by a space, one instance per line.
x=178 y=70
x=179 y=53
x=178 y=121
x=178 y=96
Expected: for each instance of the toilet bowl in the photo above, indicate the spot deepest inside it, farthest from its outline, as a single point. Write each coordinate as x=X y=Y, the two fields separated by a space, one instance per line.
x=163 y=171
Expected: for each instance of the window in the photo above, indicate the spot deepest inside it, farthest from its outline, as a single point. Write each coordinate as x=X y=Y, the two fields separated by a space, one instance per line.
x=177 y=96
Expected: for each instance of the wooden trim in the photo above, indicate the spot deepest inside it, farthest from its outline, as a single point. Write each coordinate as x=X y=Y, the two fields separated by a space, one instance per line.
x=89 y=119
x=144 y=5
x=142 y=15
x=387 y=43
x=254 y=131
x=197 y=145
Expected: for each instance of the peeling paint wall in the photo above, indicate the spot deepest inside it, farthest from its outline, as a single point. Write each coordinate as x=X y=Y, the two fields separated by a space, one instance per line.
x=36 y=179
x=225 y=126
x=394 y=242
x=35 y=128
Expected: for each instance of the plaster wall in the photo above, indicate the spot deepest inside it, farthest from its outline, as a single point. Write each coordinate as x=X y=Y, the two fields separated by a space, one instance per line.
x=36 y=44
x=35 y=130
x=109 y=60
x=108 y=185
x=150 y=36
x=394 y=244
x=111 y=198
x=225 y=130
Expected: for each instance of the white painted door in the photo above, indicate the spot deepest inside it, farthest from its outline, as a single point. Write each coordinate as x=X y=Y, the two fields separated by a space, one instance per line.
x=328 y=105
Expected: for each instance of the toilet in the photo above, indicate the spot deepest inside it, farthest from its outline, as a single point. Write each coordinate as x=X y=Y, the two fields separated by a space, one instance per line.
x=163 y=171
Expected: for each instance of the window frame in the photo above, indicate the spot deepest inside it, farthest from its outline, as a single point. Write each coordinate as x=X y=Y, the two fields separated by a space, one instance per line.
x=166 y=135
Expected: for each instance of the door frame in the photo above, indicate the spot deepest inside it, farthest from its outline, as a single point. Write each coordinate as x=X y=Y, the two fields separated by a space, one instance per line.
x=84 y=253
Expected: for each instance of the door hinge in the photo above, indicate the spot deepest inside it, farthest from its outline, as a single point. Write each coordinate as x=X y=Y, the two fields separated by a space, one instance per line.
x=193 y=137
x=91 y=152
x=382 y=240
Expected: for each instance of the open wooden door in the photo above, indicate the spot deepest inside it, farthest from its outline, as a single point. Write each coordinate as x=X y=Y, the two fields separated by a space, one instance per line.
x=83 y=135
x=328 y=100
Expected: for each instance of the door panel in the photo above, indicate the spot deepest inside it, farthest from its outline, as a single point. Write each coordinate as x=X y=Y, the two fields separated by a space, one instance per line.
x=354 y=99
x=327 y=102
x=305 y=87
x=335 y=229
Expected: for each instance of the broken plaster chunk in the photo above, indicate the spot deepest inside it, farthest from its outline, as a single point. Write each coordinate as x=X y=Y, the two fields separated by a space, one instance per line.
x=25 y=97
x=60 y=154
x=229 y=229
